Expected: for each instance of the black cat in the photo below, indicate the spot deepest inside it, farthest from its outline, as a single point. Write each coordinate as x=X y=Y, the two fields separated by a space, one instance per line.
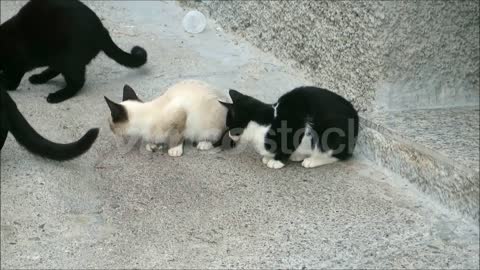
x=307 y=124
x=64 y=35
x=12 y=120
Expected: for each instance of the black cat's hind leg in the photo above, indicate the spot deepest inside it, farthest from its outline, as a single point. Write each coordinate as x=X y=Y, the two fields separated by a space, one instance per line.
x=44 y=76
x=75 y=79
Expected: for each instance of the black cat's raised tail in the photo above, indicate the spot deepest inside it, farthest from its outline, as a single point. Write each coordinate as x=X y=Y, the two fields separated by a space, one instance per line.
x=14 y=122
x=137 y=57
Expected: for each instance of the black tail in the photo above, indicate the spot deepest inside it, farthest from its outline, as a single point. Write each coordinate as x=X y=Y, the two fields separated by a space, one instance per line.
x=136 y=58
x=35 y=143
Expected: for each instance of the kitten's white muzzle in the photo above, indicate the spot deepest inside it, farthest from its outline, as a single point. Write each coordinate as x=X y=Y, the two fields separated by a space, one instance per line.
x=234 y=138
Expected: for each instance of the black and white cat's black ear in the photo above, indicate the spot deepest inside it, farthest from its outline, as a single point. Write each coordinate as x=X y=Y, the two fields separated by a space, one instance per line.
x=118 y=111
x=235 y=95
x=229 y=106
x=129 y=93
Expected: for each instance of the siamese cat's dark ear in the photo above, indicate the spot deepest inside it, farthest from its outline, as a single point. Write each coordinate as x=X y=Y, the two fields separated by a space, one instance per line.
x=129 y=93
x=235 y=95
x=118 y=111
x=229 y=106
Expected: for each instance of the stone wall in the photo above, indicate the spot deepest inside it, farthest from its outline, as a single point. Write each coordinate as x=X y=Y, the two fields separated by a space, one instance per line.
x=383 y=55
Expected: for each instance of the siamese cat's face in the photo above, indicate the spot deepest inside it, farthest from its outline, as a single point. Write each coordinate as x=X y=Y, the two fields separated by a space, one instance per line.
x=119 y=118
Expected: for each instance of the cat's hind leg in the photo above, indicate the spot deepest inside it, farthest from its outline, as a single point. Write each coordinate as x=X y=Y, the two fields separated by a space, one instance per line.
x=304 y=149
x=175 y=136
x=175 y=143
x=297 y=157
x=44 y=76
x=319 y=159
x=75 y=78
x=275 y=164
x=204 y=145
x=272 y=163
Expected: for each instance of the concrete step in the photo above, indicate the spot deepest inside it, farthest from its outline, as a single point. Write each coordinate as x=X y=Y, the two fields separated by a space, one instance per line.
x=438 y=150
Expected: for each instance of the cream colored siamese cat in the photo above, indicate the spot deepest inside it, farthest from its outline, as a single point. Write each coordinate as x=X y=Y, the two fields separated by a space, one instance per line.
x=188 y=110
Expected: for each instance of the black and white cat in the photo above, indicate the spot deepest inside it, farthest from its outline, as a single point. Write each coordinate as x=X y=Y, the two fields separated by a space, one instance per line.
x=307 y=124
x=63 y=35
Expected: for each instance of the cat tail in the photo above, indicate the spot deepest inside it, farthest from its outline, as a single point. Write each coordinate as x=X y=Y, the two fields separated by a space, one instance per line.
x=34 y=142
x=136 y=58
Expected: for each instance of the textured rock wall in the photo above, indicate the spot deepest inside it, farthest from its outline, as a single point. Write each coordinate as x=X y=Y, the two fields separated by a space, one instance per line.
x=431 y=55
x=401 y=54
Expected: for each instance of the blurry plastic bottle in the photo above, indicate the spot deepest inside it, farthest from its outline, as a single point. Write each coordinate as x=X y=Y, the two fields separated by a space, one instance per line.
x=194 y=22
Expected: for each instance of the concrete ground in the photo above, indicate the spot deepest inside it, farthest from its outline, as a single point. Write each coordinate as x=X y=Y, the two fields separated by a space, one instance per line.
x=119 y=207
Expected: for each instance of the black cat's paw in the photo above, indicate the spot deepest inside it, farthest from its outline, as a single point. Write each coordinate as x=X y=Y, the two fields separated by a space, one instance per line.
x=37 y=79
x=56 y=98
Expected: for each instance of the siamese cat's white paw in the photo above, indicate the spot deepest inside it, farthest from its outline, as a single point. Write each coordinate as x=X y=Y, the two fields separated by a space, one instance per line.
x=313 y=162
x=151 y=147
x=265 y=160
x=176 y=151
x=204 y=145
x=275 y=164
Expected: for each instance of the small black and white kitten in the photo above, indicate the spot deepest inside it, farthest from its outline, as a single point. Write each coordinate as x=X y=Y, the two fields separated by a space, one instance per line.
x=307 y=124
x=64 y=36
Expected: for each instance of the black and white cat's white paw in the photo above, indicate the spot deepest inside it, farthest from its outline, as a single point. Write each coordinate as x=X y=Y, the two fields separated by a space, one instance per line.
x=204 y=145
x=176 y=151
x=316 y=161
x=272 y=163
x=297 y=157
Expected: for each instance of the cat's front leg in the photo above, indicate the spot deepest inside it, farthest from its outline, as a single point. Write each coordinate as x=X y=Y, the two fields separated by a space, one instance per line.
x=266 y=159
x=44 y=76
x=272 y=163
x=75 y=79
x=176 y=151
